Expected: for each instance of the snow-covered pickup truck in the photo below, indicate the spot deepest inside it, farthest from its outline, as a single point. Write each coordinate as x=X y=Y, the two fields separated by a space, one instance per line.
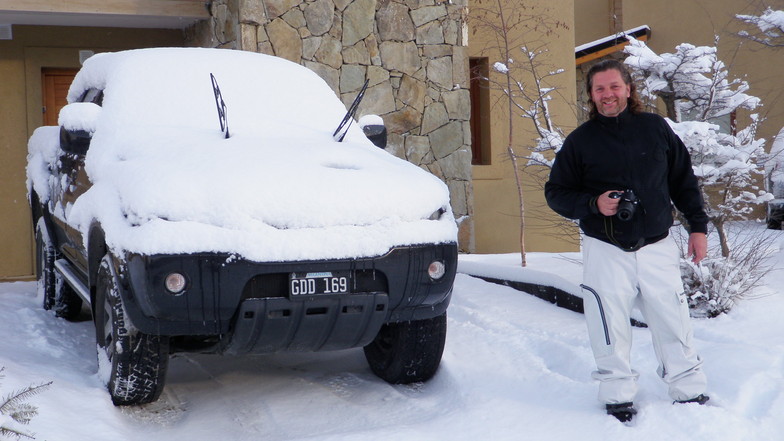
x=202 y=200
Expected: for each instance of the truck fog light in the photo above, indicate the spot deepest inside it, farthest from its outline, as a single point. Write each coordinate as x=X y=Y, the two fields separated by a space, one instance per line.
x=436 y=270
x=176 y=283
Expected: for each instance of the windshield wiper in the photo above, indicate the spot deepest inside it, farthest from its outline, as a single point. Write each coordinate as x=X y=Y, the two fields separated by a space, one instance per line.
x=340 y=132
x=221 y=105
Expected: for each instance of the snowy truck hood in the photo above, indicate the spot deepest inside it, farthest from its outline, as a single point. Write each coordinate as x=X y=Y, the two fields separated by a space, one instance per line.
x=164 y=179
x=318 y=200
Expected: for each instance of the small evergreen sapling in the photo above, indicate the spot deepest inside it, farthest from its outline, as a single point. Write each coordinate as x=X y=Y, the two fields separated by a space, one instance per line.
x=14 y=410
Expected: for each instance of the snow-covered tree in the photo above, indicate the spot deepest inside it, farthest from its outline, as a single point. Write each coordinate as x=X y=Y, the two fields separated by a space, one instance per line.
x=769 y=28
x=531 y=102
x=701 y=102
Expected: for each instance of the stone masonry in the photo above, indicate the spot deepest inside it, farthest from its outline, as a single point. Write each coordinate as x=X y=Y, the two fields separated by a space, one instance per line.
x=413 y=53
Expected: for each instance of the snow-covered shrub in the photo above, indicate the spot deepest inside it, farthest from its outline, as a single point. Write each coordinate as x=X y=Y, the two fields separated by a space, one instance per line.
x=718 y=283
x=14 y=410
x=713 y=287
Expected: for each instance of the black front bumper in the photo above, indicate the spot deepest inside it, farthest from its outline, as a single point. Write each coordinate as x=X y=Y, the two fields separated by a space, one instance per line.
x=248 y=305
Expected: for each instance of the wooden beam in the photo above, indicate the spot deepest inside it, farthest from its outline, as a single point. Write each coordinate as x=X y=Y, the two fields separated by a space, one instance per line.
x=150 y=8
x=606 y=51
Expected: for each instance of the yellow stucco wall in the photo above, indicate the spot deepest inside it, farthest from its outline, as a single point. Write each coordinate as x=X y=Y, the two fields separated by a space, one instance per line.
x=21 y=60
x=496 y=206
x=593 y=20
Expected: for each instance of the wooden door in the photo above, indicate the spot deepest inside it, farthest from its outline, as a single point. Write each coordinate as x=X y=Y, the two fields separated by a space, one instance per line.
x=55 y=91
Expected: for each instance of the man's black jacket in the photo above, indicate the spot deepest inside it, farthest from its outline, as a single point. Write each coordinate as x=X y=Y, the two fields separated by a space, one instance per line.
x=631 y=151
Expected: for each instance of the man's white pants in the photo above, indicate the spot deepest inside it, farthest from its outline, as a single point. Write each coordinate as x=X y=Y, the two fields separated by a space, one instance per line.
x=613 y=280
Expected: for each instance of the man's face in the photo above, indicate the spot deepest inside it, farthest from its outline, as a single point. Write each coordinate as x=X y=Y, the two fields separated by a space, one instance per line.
x=609 y=92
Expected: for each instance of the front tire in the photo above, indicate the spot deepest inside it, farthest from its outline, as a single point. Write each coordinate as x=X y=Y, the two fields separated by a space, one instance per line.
x=136 y=362
x=57 y=294
x=408 y=352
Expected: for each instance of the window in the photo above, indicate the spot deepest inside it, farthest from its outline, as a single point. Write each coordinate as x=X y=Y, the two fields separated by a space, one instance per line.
x=727 y=123
x=92 y=96
x=480 y=111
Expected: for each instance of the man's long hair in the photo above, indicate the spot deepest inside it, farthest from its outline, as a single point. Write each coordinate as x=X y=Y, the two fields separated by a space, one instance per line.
x=632 y=103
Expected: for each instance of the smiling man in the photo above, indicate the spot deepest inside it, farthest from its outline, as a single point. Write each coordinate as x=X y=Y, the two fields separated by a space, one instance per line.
x=619 y=174
x=609 y=92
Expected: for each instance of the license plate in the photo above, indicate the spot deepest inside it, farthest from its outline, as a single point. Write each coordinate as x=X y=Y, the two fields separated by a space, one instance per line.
x=327 y=282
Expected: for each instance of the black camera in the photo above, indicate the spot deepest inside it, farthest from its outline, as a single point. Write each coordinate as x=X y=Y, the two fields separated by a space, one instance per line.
x=627 y=205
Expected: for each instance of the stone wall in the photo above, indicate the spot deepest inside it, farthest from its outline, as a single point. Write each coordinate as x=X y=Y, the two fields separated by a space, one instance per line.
x=413 y=53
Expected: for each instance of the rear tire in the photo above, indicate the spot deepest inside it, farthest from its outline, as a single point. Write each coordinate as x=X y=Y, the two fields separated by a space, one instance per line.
x=408 y=352
x=137 y=362
x=57 y=294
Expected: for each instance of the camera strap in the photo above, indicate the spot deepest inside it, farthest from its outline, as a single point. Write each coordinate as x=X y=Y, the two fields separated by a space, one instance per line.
x=608 y=231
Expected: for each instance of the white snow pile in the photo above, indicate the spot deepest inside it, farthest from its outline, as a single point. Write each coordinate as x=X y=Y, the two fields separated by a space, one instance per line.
x=164 y=179
x=514 y=368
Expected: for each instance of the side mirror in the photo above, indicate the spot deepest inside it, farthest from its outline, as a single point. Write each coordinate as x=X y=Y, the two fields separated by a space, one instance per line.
x=77 y=124
x=373 y=127
x=76 y=142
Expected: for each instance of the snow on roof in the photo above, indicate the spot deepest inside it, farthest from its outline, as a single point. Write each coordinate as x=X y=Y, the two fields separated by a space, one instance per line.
x=612 y=39
x=280 y=188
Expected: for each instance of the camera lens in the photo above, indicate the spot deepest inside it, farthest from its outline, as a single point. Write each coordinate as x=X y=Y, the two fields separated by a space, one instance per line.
x=627 y=205
x=625 y=214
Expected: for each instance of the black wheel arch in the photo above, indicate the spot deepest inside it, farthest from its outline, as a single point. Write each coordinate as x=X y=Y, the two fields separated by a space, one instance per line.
x=96 y=243
x=35 y=206
x=38 y=211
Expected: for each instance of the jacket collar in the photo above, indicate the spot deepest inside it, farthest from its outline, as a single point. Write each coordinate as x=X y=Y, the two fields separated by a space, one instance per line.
x=624 y=116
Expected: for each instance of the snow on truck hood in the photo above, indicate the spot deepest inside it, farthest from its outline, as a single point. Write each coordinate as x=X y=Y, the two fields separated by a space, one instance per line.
x=165 y=180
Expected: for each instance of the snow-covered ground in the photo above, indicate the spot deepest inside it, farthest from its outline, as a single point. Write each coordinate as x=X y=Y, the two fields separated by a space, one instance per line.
x=514 y=368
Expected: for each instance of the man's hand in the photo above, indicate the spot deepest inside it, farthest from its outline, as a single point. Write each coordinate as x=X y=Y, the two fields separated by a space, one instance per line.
x=698 y=247
x=607 y=205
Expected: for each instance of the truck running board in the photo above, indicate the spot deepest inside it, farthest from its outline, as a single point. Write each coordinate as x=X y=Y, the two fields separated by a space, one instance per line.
x=69 y=274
